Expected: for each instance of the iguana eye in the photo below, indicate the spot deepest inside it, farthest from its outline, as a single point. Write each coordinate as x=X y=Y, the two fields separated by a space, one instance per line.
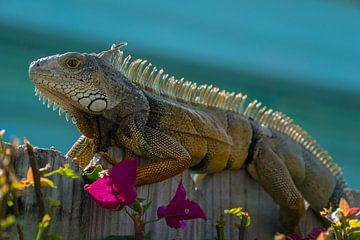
x=72 y=62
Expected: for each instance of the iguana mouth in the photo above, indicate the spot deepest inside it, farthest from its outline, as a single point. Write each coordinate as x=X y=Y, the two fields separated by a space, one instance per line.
x=54 y=75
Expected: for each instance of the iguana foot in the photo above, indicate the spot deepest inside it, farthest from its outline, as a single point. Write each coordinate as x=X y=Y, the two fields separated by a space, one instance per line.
x=289 y=218
x=82 y=151
x=98 y=159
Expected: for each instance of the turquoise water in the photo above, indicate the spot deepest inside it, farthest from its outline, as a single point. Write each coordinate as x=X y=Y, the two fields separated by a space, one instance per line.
x=299 y=67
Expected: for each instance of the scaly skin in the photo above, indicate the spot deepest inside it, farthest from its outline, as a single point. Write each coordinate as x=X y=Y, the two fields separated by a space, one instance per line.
x=109 y=110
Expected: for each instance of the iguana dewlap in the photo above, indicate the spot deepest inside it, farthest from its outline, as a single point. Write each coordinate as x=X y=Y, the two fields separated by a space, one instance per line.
x=179 y=125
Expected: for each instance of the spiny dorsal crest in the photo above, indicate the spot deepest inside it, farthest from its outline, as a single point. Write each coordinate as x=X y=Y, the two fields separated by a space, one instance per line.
x=150 y=78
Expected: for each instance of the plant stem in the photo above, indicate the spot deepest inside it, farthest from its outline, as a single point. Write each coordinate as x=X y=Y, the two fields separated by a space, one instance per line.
x=336 y=233
x=42 y=233
x=220 y=228
x=37 y=184
x=138 y=226
x=242 y=227
x=39 y=234
x=151 y=221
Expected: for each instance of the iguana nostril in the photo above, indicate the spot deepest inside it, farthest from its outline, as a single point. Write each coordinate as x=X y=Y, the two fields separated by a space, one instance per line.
x=37 y=64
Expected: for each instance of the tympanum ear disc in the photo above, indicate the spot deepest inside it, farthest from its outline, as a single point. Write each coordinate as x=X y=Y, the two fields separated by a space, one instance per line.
x=97 y=105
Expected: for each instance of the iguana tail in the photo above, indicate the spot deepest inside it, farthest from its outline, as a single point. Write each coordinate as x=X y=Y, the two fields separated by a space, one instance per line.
x=320 y=187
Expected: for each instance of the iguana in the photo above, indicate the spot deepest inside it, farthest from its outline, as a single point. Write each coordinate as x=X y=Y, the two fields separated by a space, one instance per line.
x=179 y=125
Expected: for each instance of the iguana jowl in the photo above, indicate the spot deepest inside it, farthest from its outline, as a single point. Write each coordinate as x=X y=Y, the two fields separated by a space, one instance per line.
x=179 y=125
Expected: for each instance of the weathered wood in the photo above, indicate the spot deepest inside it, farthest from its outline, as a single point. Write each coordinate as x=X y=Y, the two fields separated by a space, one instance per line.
x=80 y=218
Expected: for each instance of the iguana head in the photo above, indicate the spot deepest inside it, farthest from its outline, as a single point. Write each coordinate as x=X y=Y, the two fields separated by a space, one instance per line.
x=76 y=81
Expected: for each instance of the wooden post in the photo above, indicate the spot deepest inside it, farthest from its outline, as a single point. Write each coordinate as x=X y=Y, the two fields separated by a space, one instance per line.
x=79 y=217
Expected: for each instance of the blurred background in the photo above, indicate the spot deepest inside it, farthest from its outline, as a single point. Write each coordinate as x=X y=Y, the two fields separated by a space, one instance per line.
x=299 y=57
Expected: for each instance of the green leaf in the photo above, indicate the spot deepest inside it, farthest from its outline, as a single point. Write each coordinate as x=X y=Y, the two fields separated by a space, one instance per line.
x=147 y=236
x=234 y=211
x=239 y=213
x=136 y=206
x=64 y=171
x=354 y=235
x=91 y=177
x=7 y=222
x=54 y=202
x=248 y=220
x=67 y=171
x=10 y=202
x=55 y=237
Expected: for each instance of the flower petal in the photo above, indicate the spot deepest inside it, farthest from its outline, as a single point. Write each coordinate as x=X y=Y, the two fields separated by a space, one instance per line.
x=124 y=172
x=123 y=176
x=103 y=193
x=180 y=209
x=187 y=209
x=321 y=236
x=161 y=211
x=334 y=216
x=175 y=223
x=183 y=224
x=180 y=194
x=344 y=206
x=30 y=175
x=353 y=212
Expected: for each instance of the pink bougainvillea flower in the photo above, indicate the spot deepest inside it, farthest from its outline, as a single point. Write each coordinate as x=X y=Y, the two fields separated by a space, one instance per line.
x=180 y=209
x=346 y=210
x=117 y=188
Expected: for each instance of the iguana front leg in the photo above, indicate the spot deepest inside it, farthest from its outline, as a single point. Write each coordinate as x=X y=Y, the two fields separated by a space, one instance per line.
x=272 y=174
x=169 y=157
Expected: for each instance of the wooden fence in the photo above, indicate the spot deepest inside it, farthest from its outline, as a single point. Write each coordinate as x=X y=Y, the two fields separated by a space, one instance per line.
x=79 y=217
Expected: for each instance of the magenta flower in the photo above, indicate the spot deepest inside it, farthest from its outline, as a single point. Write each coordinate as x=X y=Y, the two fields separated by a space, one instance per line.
x=180 y=209
x=117 y=188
